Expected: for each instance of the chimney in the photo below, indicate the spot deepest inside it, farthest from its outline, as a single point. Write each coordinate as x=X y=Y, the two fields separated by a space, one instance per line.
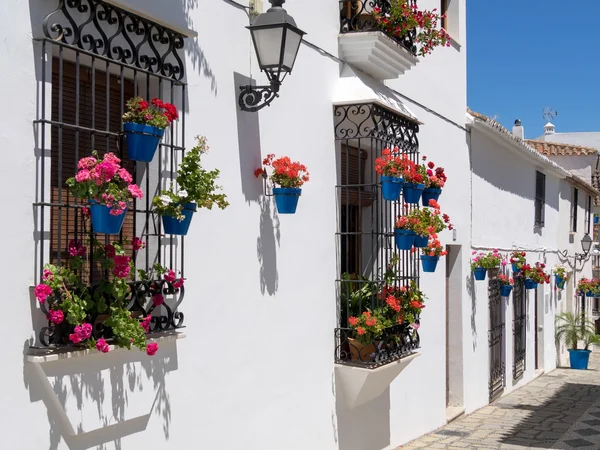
x=518 y=130
x=549 y=129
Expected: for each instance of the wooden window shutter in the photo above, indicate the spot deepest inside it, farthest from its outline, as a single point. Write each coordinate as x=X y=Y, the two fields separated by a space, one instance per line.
x=353 y=173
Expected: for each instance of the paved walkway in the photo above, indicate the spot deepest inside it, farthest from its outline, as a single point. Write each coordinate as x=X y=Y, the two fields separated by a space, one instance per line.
x=560 y=410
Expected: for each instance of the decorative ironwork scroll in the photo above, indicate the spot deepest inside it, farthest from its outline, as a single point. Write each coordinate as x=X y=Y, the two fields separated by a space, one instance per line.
x=106 y=30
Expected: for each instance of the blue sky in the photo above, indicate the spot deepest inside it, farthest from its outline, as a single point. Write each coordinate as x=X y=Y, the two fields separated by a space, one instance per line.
x=526 y=55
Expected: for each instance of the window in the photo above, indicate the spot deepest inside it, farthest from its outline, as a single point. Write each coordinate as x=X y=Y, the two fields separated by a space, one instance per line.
x=588 y=215
x=86 y=78
x=540 y=198
x=574 y=207
x=444 y=13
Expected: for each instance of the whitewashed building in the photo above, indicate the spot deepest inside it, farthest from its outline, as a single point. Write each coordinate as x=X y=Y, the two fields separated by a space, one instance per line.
x=258 y=363
x=523 y=201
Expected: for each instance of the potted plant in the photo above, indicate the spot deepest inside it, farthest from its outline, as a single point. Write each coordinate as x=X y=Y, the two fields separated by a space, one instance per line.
x=289 y=176
x=414 y=182
x=587 y=287
x=535 y=275
x=197 y=189
x=144 y=125
x=402 y=17
x=573 y=328
x=72 y=305
x=493 y=261
x=435 y=181
x=506 y=285
x=517 y=260
x=431 y=254
x=391 y=167
x=481 y=263
x=560 y=276
x=426 y=222
x=404 y=233
x=109 y=189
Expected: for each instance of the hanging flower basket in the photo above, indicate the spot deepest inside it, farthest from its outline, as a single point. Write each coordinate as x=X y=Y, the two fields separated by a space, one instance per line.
x=172 y=225
x=505 y=290
x=391 y=188
x=144 y=126
x=479 y=273
x=430 y=194
x=421 y=241
x=142 y=141
x=560 y=282
x=413 y=192
x=589 y=294
x=530 y=284
x=105 y=219
x=515 y=268
x=404 y=238
x=429 y=263
x=286 y=199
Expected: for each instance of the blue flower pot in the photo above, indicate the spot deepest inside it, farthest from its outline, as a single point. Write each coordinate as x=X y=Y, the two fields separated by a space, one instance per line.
x=560 y=283
x=103 y=221
x=589 y=294
x=404 y=238
x=430 y=194
x=429 y=263
x=515 y=268
x=413 y=192
x=391 y=187
x=286 y=199
x=530 y=284
x=579 y=359
x=479 y=273
x=505 y=290
x=142 y=140
x=596 y=219
x=421 y=241
x=173 y=226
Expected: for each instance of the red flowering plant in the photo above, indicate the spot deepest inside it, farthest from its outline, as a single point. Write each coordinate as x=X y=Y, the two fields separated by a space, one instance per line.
x=518 y=258
x=434 y=247
x=415 y=173
x=426 y=221
x=104 y=181
x=157 y=113
x=74 y=306
x=586 y=285
x=536 y=273
x=403 y=16
x=505 y=279
x=284 y=172
x=436 y=176
x=392 y=163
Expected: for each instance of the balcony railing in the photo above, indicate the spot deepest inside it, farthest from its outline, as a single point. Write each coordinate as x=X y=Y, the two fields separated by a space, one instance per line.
x=356 y=16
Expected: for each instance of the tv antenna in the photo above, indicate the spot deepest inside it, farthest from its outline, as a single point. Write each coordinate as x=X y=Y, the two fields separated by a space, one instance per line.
x=549 y=113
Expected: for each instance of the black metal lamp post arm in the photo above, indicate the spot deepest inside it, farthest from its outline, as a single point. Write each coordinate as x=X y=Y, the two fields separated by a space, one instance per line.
x=255 y=98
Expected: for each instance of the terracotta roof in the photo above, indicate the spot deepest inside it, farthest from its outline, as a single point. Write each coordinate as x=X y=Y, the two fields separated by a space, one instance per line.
x=557 y=149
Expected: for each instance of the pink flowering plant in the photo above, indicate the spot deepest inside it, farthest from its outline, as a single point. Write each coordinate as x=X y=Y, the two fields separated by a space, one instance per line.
x=404 y=17
x=104 y=181
x=157 y=113
x=196 y=184
x=505 y=279
x=74 y=306
x=489 y=260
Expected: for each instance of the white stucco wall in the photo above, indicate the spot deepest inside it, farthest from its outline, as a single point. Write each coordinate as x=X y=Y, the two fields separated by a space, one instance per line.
x=587 y=139
x=582 y=166
x=256 y=369
x=503 y=218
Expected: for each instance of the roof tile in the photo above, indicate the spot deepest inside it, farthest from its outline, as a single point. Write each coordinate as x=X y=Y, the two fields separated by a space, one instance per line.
x=558 y=149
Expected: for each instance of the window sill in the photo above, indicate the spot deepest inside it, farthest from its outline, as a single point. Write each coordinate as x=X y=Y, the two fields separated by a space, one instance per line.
x=43 y=355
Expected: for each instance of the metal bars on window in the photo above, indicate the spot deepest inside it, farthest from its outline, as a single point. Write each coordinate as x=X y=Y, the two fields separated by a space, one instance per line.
x=588 y=215
x=574 y=209
x=519 y=327
x=540 y=199
x=93 y=59
x=495 y=340
x=368 y=258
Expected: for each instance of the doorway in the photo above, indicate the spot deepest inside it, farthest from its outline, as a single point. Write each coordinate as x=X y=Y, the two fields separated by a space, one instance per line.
x=454 y=342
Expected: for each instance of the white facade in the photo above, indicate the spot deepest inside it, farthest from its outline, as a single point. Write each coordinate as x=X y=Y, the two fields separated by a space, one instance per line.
x=503 y=186
x=256 y=367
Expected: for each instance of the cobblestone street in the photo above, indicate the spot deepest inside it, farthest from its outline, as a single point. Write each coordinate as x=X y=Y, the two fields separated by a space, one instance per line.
x=559 y=410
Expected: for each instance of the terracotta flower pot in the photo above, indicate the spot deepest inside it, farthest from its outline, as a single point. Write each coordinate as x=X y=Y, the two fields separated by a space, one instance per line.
x=359 y=351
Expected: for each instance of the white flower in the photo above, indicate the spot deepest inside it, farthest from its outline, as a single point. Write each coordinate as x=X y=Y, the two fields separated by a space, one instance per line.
x=165 y=199
x=182 y=194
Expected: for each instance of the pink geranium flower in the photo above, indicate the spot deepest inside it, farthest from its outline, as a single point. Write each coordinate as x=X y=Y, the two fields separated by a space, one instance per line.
x=102 y=345
x=135 y=191
x=171 y=276
x=42 y=292
x=151 y=349
x=56 y=317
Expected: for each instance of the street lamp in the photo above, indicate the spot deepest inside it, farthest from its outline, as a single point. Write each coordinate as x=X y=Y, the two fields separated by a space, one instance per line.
x=586 y=244
x=276 y=41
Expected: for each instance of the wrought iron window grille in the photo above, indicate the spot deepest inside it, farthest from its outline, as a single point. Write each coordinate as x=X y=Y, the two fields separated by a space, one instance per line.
x=519 y=327
x=368 y=259
x=495 y=340
x=100 y=56
x=356 y=16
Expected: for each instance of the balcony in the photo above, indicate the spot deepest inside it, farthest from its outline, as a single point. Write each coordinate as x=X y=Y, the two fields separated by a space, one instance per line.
x=364 y=45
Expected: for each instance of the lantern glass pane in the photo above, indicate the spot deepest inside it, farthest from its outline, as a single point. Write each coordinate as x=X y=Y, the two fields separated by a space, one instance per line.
x=268 y=42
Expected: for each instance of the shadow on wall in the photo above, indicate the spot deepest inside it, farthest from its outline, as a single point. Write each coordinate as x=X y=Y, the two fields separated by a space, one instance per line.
x=364 y=427
x=101 y=398
x=470 y=283
x=249 y=147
